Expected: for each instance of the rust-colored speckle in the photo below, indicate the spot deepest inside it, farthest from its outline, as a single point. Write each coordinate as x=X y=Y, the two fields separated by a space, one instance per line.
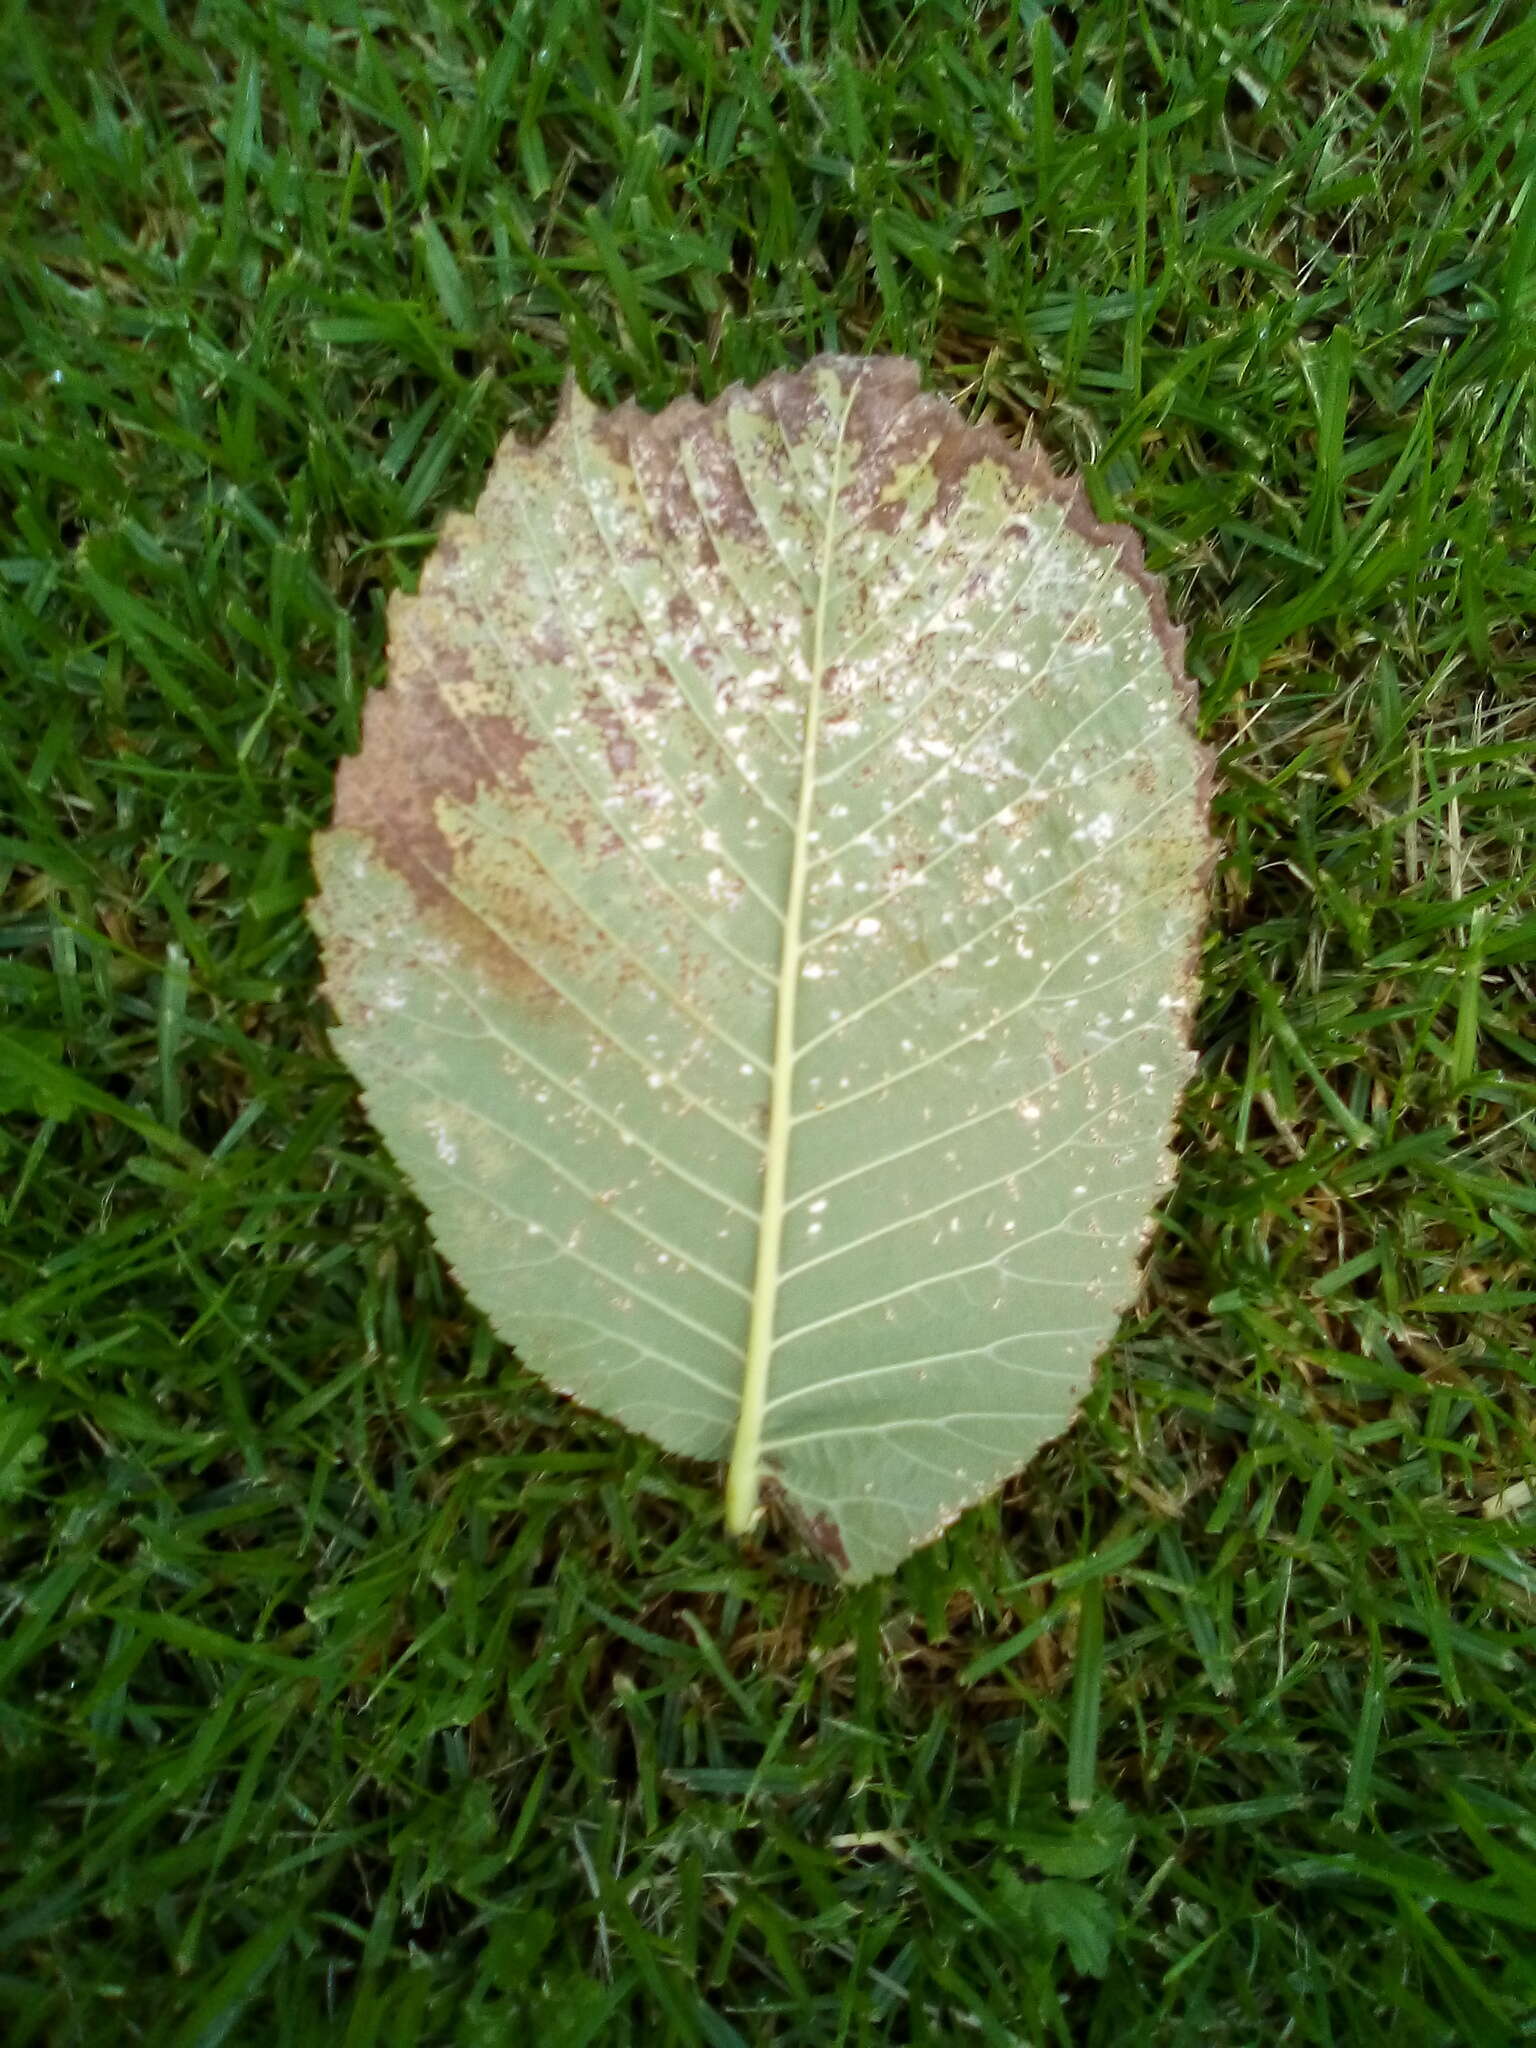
x=618 y=742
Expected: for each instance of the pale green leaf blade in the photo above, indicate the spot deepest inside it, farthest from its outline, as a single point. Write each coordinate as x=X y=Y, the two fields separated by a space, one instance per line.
x=761 y=918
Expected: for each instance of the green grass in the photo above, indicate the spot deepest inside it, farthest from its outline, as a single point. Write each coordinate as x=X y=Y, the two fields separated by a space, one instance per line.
x=354 y=1692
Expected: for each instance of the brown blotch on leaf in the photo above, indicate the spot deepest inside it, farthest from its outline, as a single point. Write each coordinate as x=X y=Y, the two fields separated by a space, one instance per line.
x=417 y=752
x=824 y=1537
x=819 y=1532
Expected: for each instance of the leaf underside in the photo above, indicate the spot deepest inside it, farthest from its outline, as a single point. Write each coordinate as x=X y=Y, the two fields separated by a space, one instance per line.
x=762 y=917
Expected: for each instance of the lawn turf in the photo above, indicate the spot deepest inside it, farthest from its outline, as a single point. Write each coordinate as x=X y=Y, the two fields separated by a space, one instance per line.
x=355 y=1691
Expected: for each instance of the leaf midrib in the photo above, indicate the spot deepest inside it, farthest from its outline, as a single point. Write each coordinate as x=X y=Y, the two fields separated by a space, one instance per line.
x=742 y=1479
